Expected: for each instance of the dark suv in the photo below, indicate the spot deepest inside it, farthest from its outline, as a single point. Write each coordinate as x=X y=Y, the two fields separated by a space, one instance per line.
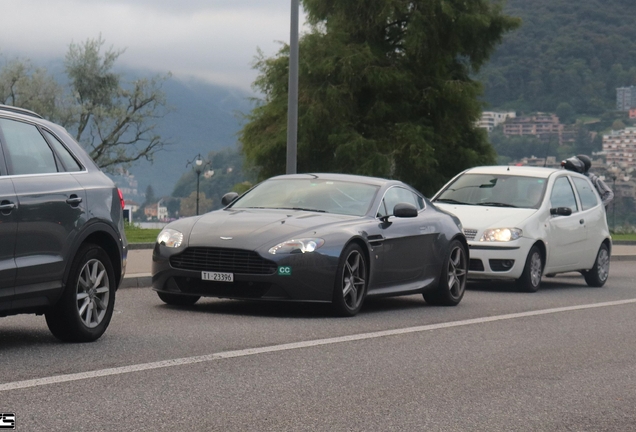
x=62 y=243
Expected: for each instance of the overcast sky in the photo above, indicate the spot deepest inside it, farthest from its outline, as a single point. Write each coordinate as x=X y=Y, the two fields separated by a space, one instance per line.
x=215 y=40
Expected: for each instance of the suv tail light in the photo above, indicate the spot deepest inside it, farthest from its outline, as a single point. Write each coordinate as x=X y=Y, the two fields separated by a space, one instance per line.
x=121 y=199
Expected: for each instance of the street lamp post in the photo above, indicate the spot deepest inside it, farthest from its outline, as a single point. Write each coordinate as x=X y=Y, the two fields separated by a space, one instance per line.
x=292 y=101
x=198 y=164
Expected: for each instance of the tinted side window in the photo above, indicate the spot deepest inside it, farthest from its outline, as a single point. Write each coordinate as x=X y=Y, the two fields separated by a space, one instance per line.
x=28 y=152
x=67 y=159
x=586 y=193
x=398 y=195
x=563 y=195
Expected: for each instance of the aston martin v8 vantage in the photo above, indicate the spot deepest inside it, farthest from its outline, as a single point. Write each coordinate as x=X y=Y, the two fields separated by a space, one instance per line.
x=330 y=238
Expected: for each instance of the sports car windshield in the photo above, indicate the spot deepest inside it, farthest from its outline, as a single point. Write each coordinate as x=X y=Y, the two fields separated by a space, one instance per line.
x=495 y=190
x=317 y=195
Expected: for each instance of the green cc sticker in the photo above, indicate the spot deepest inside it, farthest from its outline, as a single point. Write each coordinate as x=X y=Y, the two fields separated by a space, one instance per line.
x=284 y=271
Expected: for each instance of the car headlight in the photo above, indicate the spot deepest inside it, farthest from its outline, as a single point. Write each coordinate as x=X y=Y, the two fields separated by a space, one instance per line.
x=501 y=234
x=170 y=238
x=297 y=246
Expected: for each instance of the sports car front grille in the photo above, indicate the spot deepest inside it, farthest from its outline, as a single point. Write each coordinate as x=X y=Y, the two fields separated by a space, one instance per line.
x=222 y=260
x=470 y=233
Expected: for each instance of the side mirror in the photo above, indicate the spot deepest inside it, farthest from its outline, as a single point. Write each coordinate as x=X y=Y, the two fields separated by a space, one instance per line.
x=404 y=210
x=228 y=198
x=561 y=211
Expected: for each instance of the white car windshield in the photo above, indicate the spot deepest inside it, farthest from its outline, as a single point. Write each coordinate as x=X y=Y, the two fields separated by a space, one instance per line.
x=495 y=190
x=318 y=195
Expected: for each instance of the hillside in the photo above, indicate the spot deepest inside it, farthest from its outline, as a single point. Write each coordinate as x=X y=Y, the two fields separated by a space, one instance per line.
x=574 y=52
x=204 y=118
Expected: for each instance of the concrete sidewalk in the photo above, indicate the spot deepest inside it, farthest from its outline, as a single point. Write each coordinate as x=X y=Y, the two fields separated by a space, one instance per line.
x=139 y=267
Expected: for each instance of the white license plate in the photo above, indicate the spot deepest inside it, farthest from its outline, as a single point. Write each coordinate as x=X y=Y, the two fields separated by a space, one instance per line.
x=217 y=277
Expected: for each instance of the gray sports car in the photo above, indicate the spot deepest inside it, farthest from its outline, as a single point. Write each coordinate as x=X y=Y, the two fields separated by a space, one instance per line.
x=330 y=238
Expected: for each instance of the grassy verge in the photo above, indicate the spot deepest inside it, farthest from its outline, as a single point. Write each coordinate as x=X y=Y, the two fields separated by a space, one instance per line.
x=141 y=235
x=631 y=236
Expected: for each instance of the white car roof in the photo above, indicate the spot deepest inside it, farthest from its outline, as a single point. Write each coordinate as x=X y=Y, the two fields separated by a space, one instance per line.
x=526 y=171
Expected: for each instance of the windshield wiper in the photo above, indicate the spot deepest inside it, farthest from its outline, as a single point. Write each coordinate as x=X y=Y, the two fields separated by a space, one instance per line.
x=303 y=209
x=450 y=201
x=496 y=204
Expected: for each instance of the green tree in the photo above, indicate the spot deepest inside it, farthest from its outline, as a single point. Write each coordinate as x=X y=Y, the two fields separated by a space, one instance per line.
x=565 y=112
x=385 y=89
x=189 y=204
x=112 y=119
x=26 y=86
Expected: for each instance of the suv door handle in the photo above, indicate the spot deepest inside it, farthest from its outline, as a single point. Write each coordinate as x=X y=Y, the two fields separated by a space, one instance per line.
x=74 y=200
x=6 y=207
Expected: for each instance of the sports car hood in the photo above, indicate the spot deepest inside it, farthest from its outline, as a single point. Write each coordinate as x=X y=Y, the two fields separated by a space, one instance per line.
x=482 y=217
x=253 y=228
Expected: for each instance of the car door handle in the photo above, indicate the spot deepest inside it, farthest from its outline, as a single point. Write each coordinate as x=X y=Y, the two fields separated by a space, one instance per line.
x=582 y=221
x=6 y=207
x=74 y=200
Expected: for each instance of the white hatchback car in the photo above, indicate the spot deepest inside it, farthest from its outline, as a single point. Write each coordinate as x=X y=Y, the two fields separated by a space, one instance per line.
x=524 y=222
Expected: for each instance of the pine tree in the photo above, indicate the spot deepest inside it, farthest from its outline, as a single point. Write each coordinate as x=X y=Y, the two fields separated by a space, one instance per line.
x=385 y=89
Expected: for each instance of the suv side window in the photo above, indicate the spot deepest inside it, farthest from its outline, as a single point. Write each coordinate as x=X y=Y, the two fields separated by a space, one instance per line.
x=586 y=193
x=28 y=152
x=563 y=195
x=67 y=159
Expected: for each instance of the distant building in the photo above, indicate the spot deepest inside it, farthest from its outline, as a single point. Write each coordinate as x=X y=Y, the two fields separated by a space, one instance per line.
x=551 y=162
x=619 y=148
x=491 y=119
x=156 y=211
x=632 y=113
x=625 y=98
x=546 y=127
x=130 y=207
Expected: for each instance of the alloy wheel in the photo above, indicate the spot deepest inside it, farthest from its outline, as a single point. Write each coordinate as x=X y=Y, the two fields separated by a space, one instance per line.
x=457 y=272
x=354 y=283
x=93 y=293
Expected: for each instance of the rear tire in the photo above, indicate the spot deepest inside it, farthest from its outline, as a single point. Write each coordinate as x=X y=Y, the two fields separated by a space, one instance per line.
x=452 y=283
x=598 y=275
x=350 y=287
x=178 y=299
x=84 y=311
x=531 y=277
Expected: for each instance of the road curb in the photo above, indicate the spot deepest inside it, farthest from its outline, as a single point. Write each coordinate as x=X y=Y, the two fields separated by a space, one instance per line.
x=138 y=280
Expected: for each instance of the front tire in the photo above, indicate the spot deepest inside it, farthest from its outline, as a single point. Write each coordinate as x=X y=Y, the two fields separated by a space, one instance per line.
x=178 y=299
x=85 y=309
x=531 y=277
x=350 y=287
x=452 y=284
x=598 y=275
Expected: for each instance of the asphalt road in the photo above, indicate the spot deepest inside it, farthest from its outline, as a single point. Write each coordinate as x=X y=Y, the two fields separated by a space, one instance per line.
x=562 y=359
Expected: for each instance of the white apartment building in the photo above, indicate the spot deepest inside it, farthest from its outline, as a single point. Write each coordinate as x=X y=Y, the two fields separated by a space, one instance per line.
x=491 y=119
x=620 y=148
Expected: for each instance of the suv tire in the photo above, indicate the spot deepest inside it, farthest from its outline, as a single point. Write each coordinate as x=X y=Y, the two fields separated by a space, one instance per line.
x=84 y=311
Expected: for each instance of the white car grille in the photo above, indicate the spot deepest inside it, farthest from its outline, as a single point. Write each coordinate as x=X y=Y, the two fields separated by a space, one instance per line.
x=470 y=233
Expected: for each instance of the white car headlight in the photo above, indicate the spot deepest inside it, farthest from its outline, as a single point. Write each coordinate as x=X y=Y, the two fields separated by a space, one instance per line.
x=501 y=234
x=297 y=245
x=170 y=238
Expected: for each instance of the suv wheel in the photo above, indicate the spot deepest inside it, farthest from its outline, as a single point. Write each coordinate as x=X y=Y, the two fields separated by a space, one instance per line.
x=84 y=311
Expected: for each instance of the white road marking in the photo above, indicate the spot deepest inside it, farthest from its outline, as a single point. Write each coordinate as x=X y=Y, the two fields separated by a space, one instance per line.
x=290 y=346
